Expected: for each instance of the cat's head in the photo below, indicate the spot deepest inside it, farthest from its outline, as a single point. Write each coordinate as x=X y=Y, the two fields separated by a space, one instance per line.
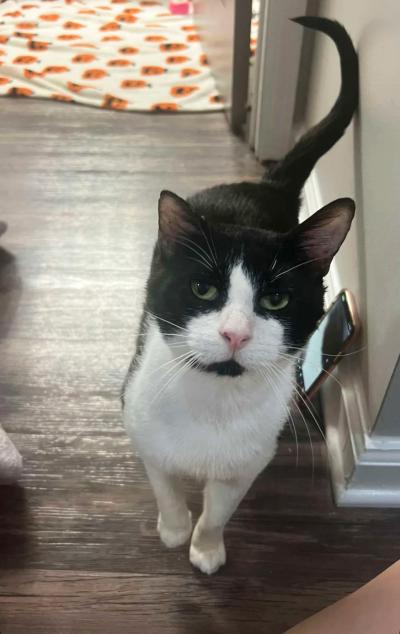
x=238 y=298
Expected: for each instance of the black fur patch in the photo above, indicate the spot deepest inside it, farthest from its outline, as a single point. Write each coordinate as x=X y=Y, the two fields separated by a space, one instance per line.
x=223 y=368
x=254 y=223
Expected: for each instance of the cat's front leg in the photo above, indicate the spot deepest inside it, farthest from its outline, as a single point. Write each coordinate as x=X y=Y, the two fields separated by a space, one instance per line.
x=221 y=499
x=174 y=519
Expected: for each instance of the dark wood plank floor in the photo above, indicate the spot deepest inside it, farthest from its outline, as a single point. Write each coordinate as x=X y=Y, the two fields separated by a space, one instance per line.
x=78 y=547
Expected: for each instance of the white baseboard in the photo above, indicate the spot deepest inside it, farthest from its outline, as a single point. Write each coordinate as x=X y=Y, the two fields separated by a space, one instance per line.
x=365 y=468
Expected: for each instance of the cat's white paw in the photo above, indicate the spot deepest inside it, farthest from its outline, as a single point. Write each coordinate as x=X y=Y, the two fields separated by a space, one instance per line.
x=208 y=561
x=177 y=536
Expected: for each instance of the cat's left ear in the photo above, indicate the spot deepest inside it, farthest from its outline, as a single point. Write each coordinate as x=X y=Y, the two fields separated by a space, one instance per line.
x=317 y=239
x=175 y=217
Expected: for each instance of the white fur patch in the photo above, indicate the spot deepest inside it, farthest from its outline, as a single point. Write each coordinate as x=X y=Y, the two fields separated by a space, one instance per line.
x=197 y=423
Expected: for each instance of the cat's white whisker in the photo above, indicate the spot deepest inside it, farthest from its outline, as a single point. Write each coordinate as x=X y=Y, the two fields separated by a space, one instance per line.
x=304 y=398
x=198 y=247
x=164 y=334
x=277 y=371
x=294 y=433
x=343 y=354
x=319 y=368
x=203 y=258
x=171 y=323
x=188 y=363
x=201 y=263
x=213 y=255
x=214 y=248
x=177 y=345
x=297 y=266
x=309 y=438
x=275 y=389
x=274 y=262
x=166 y=375
x=171 y=361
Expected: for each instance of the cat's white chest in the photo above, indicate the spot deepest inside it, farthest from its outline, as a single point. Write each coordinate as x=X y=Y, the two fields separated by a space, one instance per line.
x=200 y=424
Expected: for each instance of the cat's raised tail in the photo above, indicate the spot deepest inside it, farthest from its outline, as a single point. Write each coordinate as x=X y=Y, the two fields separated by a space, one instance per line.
x=294 y=169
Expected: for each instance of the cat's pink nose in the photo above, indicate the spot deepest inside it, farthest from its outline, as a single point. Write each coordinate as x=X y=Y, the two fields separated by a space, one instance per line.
x=236 y=339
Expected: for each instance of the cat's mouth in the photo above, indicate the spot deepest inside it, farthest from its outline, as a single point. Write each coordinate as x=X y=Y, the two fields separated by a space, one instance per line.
x=222 y=368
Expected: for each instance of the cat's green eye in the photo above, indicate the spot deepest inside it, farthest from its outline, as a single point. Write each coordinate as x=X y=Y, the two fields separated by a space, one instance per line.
x=274 y=301
x=205 y=291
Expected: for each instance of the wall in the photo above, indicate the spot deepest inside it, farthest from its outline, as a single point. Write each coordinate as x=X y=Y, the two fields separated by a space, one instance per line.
x=365 y=165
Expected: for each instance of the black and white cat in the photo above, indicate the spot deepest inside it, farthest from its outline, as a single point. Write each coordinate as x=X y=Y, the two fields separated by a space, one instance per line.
x=235 y=289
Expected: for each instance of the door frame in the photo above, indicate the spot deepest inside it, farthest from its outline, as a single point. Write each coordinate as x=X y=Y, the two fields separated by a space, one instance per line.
x=279 y=45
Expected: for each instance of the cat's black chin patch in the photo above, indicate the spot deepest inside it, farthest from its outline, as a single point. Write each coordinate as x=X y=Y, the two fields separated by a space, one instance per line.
x=224 y=368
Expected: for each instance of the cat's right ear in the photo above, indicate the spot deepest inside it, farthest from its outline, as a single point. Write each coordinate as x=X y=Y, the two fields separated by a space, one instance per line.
x=175 y=217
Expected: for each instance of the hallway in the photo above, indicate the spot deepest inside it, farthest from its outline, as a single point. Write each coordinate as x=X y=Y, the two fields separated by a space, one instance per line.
x=78 y=546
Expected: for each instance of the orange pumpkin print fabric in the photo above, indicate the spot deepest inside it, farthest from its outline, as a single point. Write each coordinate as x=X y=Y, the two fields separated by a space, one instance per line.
x=119 y=55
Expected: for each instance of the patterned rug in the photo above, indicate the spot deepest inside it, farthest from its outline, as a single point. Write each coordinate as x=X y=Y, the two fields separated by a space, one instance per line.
x=118 y=54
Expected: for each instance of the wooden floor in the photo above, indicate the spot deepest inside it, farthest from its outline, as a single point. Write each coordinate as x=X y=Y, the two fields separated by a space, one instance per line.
x=78 y=547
